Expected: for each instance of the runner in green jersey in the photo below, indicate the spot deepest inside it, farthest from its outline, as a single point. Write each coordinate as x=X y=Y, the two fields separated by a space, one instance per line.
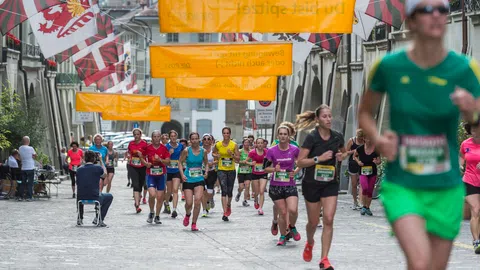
x=428 y=87
x=244 y=173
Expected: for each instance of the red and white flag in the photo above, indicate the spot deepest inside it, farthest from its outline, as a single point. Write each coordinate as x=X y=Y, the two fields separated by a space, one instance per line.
x=62 y=26
x=362 y=23
x=301 y=45
x=121 y=80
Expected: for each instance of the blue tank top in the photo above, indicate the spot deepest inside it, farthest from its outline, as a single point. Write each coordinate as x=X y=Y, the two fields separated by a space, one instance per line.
x=193 y=171
x=173 y=167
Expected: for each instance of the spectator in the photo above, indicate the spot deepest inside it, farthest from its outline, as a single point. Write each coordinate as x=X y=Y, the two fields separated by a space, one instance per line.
x=13 y=162
x=27 y=156
x=88 y=142
x=63 y=156
x=89 y=183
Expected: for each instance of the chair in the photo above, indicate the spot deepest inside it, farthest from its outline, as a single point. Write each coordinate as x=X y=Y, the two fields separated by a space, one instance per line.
x=94 y=202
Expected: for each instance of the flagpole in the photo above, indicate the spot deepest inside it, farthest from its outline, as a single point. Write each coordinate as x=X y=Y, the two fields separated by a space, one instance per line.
x=464 y=28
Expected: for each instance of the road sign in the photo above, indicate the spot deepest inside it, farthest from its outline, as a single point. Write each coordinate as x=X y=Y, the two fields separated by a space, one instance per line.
x=106 y=125
x=81 y=117
x=135 y=125
x=265 y=112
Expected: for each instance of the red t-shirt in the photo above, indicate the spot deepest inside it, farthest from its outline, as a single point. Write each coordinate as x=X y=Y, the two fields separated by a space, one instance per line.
x=471 y=153
x=258 y=168
x=133 y=149
x=75 y=157
x=158 y=168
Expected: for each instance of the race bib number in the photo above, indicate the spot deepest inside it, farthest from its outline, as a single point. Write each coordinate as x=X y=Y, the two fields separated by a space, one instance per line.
x=157 y=170
x=195 y=172
x=425 y=155
x=110 y=163
x=74 y=168
x=367 y=170
x=324 y=173
x=245 y=169
x=282 y=176
x=227 y=162
x=259 y=168
x=136 y=161
x=173 y=164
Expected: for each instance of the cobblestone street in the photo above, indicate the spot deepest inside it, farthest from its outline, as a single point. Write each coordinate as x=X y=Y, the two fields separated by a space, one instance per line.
x=43 y=234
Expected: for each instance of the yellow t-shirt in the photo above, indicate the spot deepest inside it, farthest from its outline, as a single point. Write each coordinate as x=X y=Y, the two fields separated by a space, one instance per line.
x=226 y=162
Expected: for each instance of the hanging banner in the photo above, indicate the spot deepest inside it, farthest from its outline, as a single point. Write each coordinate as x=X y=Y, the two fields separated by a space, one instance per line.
x=263 y=16
x=228 y=88
x=221 y=60
x=115 y=103
x=149 y=113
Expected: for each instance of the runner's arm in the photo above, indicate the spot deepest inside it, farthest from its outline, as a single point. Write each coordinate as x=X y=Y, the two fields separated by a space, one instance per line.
x=183 y=157
x=349 y=147
x=303 y=160
x=368 y=106
x=236 y=154
x=205 y=162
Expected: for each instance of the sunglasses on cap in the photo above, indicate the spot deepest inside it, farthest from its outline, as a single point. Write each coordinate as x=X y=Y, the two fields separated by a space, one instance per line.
x=207 y=139
x=431 y=9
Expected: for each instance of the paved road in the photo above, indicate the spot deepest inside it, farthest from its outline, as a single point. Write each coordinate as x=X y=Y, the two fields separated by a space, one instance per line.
x=42 y=234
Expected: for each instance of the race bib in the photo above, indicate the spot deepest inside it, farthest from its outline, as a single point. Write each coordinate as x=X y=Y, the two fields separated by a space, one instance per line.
x=367 y=170
x=156 y=170
x=110 y=163
x=136 y=161
x=259 y=168
x=195 y=172
x=425 y=155
x=245 y=169
x=282 y=176
x=324 y=173
x=173 y=164
x=227 y=162
x=74 y=168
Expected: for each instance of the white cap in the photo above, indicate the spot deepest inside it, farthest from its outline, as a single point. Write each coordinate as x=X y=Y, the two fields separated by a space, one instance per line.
x=411 y=5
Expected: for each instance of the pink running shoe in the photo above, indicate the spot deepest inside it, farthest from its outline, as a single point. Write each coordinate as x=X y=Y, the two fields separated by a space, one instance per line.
x=186 y=220
x=194 y=227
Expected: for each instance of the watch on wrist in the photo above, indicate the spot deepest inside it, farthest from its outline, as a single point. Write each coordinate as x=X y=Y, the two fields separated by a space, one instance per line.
x=315 y=159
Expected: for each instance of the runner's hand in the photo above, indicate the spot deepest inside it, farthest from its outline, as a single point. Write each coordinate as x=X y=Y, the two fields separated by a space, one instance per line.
x=184 y=178
x=254 y=163
x=326 y=156
x=339 y=156
x=149 y=165
x=463 y=99
x=388 y=145
x=171 y=151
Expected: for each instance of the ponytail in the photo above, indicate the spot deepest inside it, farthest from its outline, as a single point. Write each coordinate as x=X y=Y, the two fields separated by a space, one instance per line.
x=307 y=119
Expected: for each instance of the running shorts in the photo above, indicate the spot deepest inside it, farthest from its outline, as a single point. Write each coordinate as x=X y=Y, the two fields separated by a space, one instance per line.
x=157 y=181
x=210 y=181
x=314 y=191
x=110 y=170
x=442 y=209
x=170 y=176
x=353 y=168
x=282 y=192
x=259 y=176
x=192 y=186
x=244 y=177
x=138 y=176
x=472 y=190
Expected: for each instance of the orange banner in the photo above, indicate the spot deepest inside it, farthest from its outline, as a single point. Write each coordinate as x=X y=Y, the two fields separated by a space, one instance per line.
x=229 y=88
x=221 y=60
x=158 y=114
x=249 y=16
x=110 y=103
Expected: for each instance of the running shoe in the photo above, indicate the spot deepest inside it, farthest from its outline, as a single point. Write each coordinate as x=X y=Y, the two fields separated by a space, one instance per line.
x=325 y=264
x=237 y=198
x=245 y=203
x=476 y=246
x=289 y=235
x=194 y=227
x=274 y=228
x=183 y=197
x=282 y=241
x=229 y=211
x=139 y=210
x=205 y=213
x=356 y=206
x=212 y=203
x=144 y=201
x=208 y=206
x=368 y=212
x=157 y=220
x=79 y=222
x=363 y=211
x=307 y=252
x=224 y=218
x=186 y=220
x=296 y=234
x=150 y=218
x=256 y=205
x=168 y=210
x=260 y=212
x=128 y=184
x=174 y=214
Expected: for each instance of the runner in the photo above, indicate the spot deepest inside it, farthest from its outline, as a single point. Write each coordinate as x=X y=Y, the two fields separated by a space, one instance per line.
x=155 y=158
x=470 y=153
x=173 y=176
x=184 y=142
x=228 y=154
x=320 y=152
x=207 y=202
x=353 y=168
x=367 y=160
x=283 y=190
x=74 y=160
x=98 y=147
x=244 y=173
x=136 y=149
x=193 y=178
x=112 y=159
x=259 y=176
x=423 y=195
x=165 y=138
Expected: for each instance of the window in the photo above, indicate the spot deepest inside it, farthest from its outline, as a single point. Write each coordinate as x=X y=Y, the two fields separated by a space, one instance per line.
x=172 y=37
x=204 y=104
x=204 y=38
x=204 y=126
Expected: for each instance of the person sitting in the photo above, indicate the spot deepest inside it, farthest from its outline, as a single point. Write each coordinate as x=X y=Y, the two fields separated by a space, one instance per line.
x=89 y=184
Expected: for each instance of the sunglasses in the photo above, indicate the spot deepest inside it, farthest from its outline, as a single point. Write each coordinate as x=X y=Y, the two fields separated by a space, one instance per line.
x=207 y=139
x=431 y=9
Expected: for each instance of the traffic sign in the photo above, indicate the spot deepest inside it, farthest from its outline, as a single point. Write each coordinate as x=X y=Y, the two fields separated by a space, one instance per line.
x=265 y=112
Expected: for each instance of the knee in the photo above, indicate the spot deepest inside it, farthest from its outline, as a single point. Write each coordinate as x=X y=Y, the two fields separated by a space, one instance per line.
x=327 y=220
x=312 y=223
x=475 y=211
x=198 y=201
x=282 y=212
x=422 y=263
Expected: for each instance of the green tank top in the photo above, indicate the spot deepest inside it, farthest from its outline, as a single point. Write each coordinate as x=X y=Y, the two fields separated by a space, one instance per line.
x=244 y=169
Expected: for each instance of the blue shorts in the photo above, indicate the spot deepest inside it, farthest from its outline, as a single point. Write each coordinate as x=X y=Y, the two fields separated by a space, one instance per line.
x=157 y=182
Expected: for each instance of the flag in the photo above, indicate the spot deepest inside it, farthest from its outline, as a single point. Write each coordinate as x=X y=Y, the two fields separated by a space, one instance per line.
x=12 y=12
x=241 y=37
x=329 y=42
x=97 y=61
x=132 y=87
x=363 y=24
x=105 y=28
x=301 y=44
x=115 y=82
x=391 y=12
x=62 y=26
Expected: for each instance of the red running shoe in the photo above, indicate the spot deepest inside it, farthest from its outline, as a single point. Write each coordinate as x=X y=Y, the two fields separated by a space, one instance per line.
x=194 y=227
x=229 y=211
x=186 y=220
x=325 y=264
x=307 y=252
